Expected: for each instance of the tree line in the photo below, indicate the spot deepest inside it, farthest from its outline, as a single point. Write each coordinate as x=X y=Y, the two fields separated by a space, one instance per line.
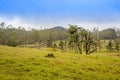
x=75 y=38
x=20 y=36
x=88 y=41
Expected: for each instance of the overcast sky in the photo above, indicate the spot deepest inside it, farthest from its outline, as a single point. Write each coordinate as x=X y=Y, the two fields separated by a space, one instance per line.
x=51 y=13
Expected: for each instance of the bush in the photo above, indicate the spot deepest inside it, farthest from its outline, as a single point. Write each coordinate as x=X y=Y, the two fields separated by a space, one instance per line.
x=12 y=43
x=50 y=56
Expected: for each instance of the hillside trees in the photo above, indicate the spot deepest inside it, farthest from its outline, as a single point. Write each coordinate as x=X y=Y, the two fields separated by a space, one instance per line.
x=108 y=34
x=13 y=38
x=96 y=39
x=76 y=38
x=8 y=36
x=21 y=36
x=34 y=36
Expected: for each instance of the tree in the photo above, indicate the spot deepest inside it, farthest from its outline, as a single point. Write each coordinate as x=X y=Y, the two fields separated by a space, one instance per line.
x=2 y=33
x=61 y=44
x=96 y=39
x=74 y=38
x=88 y=41
x=22 y=36
x=117 y=47
x=109 y=46
x=2 y=25
x=35 y=35
x=78 y=36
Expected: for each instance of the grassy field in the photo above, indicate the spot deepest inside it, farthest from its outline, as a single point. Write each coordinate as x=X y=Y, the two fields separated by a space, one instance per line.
x=31 y=64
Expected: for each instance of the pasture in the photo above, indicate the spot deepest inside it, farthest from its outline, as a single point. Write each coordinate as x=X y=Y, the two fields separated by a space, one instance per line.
x=31 y=64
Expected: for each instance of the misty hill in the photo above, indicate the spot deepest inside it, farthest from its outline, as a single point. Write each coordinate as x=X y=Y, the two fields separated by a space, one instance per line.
x=53 y=34
x=60 y=28
x=57 y=32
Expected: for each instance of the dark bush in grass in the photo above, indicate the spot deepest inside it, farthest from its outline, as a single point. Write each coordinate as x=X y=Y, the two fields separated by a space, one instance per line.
x=50 y=55
x=12 y=43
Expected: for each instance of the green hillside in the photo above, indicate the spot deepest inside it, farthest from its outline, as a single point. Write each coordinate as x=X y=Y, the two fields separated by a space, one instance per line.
x=31 y=64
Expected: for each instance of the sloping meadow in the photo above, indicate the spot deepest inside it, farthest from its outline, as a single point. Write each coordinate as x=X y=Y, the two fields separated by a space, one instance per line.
x=31 y=64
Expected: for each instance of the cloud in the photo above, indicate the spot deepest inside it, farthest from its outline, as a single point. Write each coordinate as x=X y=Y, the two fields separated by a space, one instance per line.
x=43 y=23
x=17 y=21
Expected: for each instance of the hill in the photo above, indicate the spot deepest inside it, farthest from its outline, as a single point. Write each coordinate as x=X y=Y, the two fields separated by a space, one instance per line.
x=60 y=28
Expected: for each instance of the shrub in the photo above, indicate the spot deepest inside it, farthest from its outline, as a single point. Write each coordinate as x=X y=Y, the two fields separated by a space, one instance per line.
x=50 y=55
x=12 y=43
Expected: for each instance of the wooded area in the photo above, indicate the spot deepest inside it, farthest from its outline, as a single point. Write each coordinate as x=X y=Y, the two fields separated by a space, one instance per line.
x=75 y=38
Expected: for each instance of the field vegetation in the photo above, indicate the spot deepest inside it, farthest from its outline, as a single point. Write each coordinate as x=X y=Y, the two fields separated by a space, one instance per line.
x=31 y=64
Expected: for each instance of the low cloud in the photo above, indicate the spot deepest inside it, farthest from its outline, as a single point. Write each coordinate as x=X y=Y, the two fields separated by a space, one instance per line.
x=44 y=23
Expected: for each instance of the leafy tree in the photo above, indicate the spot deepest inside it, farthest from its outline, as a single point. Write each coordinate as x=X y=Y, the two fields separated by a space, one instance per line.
x=78 y=36
x=61 y=44
x=2 y=25
x=50 y=41
x=117 y=47
x=88 y=41
x=96 y=39
x=12 y=43
x=2 y=33
x=74 y=38
x=109 y=46
x=34 y=36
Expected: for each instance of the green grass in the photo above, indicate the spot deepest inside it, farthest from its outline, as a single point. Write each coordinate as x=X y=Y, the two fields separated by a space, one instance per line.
x=31 y=64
